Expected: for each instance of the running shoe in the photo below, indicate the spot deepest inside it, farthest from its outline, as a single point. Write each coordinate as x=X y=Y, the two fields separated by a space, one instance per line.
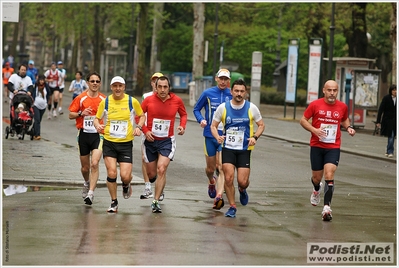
x=315 y=197
x=231 y=212
x=212 y=188
x=49 y=115
x=85 y=190
x=326 y=213
x=390 y=155
x=147 y=194
x=89 y=199
x=113 y=208
x=155 y=207
x=60 y=110
x=244 y=197
x=161 y=197
x=127 y=191
x=54 y=113
x=219 y=203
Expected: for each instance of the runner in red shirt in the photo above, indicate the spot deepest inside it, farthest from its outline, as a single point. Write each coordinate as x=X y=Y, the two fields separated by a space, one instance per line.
x=160 y=143
x=327 y=114
x=83 y=109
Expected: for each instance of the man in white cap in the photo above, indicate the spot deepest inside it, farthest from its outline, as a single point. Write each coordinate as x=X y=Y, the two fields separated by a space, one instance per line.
x=209 y=100
x=118 y=112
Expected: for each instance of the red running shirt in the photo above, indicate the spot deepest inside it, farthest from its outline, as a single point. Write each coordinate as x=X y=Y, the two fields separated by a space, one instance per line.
x=329 y=117
x=161 y=115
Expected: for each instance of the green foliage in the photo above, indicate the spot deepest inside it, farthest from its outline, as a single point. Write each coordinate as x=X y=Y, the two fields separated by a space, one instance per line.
x=176 y=48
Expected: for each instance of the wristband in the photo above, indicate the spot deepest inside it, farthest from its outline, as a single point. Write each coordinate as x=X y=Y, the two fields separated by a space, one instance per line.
x=139 y=127
x=349 y=127
x=255 y=137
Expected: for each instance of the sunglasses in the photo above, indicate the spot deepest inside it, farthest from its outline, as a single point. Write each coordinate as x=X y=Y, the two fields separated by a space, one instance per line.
x=95 y=81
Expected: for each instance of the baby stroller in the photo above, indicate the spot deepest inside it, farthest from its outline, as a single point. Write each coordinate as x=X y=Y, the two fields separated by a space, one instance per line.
x=21 y=116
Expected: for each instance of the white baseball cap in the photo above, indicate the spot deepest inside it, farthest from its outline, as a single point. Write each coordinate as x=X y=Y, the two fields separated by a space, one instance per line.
x=223 y=72
x=117 y=79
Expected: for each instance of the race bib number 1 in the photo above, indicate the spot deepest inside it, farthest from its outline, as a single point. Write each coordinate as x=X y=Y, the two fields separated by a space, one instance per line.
x=331 y=132
x=118 y=129
x=88 y=125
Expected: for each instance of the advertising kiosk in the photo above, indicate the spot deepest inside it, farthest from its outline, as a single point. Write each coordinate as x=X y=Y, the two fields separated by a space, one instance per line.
x=345 y=73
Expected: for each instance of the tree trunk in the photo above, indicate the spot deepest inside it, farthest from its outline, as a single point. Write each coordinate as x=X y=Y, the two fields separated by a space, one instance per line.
x=198 y=44
x=394 y=44
x=158 y=10
x=358 y=37
x=142 y=25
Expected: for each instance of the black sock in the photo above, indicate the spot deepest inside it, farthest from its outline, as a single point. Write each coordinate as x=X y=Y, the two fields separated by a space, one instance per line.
x=55 y=105
x=328 y=192
x=49 y=107
x=316 y=186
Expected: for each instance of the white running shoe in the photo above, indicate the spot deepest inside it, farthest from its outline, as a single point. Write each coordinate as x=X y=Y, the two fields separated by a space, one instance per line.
x=89 y=199
x=60 y=110
x=85 y=190
x=146 y=194
x=54 y=113
x=161 y=197
x=315 y=197
x=49 y=115
x=326 y=213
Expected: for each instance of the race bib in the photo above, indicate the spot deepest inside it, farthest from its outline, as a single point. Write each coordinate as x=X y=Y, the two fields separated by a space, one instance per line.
x=118 y=129
x=331 y=132
x=160 y=127
x=234 y=139
x=88 y=125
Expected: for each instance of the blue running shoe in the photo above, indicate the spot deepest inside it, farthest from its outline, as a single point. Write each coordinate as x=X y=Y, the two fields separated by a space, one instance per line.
x=212 y=188
x=244 y=197
x=231 y=212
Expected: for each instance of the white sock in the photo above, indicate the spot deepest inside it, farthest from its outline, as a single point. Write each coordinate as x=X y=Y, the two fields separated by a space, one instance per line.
x=148 y=185
x=91 y=192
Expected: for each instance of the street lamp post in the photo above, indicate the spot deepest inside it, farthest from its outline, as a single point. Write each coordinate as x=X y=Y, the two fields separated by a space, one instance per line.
x=129 y=80
x=215 y=42
x=331 y=51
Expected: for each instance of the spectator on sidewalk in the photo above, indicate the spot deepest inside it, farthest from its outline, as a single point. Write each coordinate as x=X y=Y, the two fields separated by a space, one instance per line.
x=40 y=95
x=386 y=119
x=6 y=74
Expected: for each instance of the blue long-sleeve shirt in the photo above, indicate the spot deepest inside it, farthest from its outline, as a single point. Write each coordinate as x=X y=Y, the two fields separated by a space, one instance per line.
x=209 y=100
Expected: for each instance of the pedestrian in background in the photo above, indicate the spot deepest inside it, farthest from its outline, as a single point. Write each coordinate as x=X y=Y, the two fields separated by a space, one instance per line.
x=78 y=85
x=118 y=113
x=160 y=144
x=6 y=74
x=83 y=110
x=53 y=78
x=327 y=115
x=60 y=67
x=208 y=101
x=40 y=95
x=386 y=119
x=238 y=139
x=147 y=181
x=33 y=71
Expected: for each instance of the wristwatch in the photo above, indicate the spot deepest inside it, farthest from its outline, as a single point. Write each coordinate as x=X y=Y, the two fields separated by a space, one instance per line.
x=80 y=113
x=255 y=137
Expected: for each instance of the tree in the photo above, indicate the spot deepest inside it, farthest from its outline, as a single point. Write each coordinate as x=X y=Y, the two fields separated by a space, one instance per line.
x=198 y=43
x=142 y=26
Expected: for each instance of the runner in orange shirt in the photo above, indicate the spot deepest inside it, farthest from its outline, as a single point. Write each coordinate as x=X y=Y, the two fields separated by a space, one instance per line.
x=6 y=73
x=83 y=109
